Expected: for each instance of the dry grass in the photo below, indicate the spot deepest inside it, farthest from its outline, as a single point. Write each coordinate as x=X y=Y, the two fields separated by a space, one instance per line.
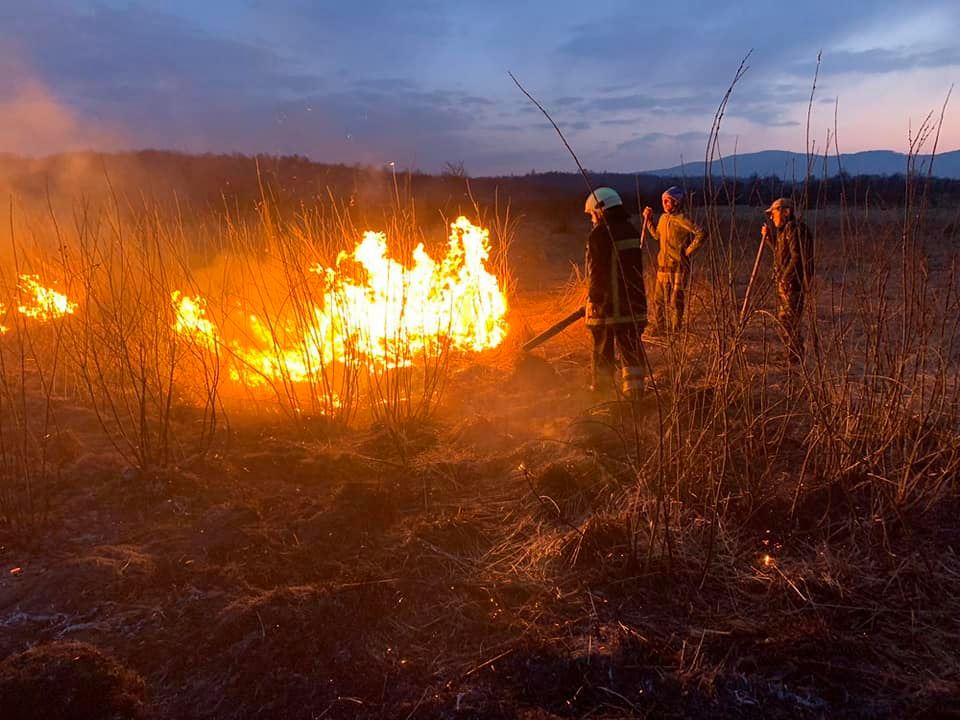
x=121 y=354
x=748 y=538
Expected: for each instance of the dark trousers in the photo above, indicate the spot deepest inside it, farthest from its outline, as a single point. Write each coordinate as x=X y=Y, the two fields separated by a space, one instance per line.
x=625 y=337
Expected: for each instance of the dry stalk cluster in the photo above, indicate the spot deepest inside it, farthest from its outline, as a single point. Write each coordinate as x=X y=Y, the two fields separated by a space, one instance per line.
x=159 y=395
x=862 y=436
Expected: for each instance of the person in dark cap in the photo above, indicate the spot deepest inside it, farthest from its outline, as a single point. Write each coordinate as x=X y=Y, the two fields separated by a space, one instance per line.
x=792 y=248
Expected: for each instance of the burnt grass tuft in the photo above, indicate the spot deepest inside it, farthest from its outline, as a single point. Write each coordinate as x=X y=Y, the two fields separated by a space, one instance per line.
x=72 y=681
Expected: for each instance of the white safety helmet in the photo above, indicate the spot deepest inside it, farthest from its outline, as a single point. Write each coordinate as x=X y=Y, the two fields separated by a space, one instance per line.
x=601 y=199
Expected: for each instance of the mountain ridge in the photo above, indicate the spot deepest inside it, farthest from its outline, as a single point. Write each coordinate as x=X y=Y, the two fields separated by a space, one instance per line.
x=789 y=165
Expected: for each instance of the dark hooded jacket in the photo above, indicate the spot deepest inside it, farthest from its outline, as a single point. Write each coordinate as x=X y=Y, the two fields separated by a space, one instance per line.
x=615 y=271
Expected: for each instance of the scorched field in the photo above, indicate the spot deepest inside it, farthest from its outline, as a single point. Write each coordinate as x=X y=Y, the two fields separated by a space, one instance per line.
x=296 y=465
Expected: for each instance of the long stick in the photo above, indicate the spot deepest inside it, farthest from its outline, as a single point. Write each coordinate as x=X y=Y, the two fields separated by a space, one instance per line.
x=753 y=278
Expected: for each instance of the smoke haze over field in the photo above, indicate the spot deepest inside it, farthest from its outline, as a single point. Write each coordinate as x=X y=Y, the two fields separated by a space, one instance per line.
x=425 y=83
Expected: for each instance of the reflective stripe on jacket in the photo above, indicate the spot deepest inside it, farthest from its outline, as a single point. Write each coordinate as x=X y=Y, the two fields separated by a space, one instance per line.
x=614 y=265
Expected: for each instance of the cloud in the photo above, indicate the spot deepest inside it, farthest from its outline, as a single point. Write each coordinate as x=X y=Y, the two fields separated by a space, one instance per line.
x=424 y=82
x=176 y=85
x=683 y=68
x=681 y=137
x=577 y=125
x=689 y=105
x=495 y=160
x=887 y=60
x=388 y=84
x=107 y=53
x=658 y=149
x=410 y=126
x=358 y=36
x=659 y=139
x=765 y=108
x=617 y=122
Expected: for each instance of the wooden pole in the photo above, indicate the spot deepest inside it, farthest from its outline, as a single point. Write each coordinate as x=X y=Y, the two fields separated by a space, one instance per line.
x=753 y=279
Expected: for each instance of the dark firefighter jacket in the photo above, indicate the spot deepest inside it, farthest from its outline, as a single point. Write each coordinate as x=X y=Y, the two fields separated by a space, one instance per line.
x=792 y=256
x=615 y=272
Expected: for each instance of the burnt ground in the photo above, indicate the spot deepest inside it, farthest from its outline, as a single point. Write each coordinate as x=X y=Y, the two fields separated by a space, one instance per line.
x=483 y=565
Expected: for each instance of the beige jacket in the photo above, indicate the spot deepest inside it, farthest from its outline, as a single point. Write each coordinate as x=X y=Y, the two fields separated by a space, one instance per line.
x=678 y=236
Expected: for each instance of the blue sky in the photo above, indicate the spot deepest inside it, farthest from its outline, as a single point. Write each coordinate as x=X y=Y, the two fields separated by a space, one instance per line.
x=424 y=82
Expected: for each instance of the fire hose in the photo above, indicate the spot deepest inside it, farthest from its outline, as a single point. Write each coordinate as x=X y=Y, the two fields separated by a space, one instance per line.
x=570 y=319
x=555 y=329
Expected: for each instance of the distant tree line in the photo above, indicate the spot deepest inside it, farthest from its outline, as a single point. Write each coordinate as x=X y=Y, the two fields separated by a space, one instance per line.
x=240 y=181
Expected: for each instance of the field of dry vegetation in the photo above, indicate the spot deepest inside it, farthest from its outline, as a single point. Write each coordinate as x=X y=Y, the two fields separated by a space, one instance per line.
x=473 y=534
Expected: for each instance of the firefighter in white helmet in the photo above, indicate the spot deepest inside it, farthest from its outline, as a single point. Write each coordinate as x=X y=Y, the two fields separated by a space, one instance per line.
x=617 y=301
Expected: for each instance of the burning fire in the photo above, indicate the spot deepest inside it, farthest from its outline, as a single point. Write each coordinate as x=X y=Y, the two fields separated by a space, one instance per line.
x=3 y=314
x=374 y=312
x=192 y=320
x=254 y=366
x=42 y=303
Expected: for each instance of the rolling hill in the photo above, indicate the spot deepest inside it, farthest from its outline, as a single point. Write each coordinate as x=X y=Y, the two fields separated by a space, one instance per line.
x=791 y=165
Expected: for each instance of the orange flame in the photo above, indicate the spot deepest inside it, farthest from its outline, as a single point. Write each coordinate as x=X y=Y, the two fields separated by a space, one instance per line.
x=399 y=313
x=42 y=303
x=254 y=367
x=192 y=321
x=386 y=318
x=3 y=315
